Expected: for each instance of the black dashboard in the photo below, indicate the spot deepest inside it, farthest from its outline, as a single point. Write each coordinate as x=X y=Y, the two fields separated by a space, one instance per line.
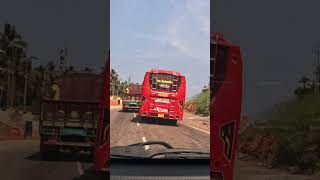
x=158 y=169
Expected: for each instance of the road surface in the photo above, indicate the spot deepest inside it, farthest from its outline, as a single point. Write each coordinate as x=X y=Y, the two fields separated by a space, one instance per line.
x=127 y=128
x=20 y=160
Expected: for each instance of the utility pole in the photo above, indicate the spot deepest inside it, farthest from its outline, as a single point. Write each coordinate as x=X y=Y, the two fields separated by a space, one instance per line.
x=28 y=66
x=25 y=87
x=63 y=58
x=316 y=51
x=8 y=90
x=129 y=78
x=67 y=62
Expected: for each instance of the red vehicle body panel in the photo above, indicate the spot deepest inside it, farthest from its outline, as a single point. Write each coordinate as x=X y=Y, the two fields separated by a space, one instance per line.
x=161 y=103
x=226 y=98
x=102 y=149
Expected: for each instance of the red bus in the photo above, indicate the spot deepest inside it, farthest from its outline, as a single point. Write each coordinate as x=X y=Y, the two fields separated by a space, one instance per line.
x=102 y=144
x=163 y=95
x=225 y=111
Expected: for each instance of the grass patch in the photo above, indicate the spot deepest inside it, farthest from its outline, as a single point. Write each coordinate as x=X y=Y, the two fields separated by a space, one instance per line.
x=201 y=103
x=292 y=123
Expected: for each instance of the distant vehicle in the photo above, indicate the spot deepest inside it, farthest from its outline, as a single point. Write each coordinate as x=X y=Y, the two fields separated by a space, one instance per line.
x=163 y=95
x=102 y=148
x=226 y=98
x=131 y=98
x=132 y=106
x=69 y=122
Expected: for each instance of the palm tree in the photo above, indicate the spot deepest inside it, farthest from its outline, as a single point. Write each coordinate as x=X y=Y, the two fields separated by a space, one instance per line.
x=12 y=44
x=51 y=68
x=114 y=81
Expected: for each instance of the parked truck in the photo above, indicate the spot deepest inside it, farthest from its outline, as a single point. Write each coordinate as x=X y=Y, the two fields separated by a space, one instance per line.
x=69 y=122
x=131 y=98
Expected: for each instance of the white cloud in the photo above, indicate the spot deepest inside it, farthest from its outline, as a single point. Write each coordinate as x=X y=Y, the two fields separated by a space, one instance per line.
x=188 y=31
x=200 y=10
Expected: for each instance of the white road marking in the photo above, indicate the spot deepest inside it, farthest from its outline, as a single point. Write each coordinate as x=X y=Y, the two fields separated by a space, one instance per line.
x=145 y=140
x=79 y=167
x=134 y=114
x=197 y=128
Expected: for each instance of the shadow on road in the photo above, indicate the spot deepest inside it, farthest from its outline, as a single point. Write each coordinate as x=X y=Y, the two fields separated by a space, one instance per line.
x=90 y=174
x=128 y=111
x=62 y=156
x=157 y=121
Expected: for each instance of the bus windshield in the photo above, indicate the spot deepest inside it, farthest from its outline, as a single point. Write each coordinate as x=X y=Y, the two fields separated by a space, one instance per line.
x=164 y=82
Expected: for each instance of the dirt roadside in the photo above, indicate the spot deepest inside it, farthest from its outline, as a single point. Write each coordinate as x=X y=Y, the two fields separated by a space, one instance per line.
x=15 y=120
x=246 y=167
x=196 y=121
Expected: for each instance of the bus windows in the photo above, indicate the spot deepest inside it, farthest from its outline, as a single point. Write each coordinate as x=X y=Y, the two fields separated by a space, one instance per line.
x=165 y=82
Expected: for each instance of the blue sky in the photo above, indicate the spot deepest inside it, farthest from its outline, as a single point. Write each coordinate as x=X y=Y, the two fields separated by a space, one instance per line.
x=166 y=34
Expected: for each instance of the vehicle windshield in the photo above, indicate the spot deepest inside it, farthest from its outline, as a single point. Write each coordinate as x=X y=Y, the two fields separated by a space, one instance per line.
x=166 y=152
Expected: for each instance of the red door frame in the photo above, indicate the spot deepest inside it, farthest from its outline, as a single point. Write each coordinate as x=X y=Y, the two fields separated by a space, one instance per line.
x=225 y=109
x=102 y=149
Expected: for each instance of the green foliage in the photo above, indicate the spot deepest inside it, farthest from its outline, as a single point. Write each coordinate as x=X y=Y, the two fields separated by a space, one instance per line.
x=117 y=86
x=309 y=161
x=290 y=149
x=293 y=123
x=202 y=102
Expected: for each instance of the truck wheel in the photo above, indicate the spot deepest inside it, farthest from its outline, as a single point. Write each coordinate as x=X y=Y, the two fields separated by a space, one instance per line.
x=47 y=153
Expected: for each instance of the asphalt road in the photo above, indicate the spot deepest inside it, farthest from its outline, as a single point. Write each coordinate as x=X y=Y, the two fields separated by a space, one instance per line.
x=20 y=160
x=127 y=128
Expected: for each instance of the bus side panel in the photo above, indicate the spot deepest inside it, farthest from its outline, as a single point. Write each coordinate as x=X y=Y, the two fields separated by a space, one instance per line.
x=145 y=92
x=225 y=117
x=181 y=97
